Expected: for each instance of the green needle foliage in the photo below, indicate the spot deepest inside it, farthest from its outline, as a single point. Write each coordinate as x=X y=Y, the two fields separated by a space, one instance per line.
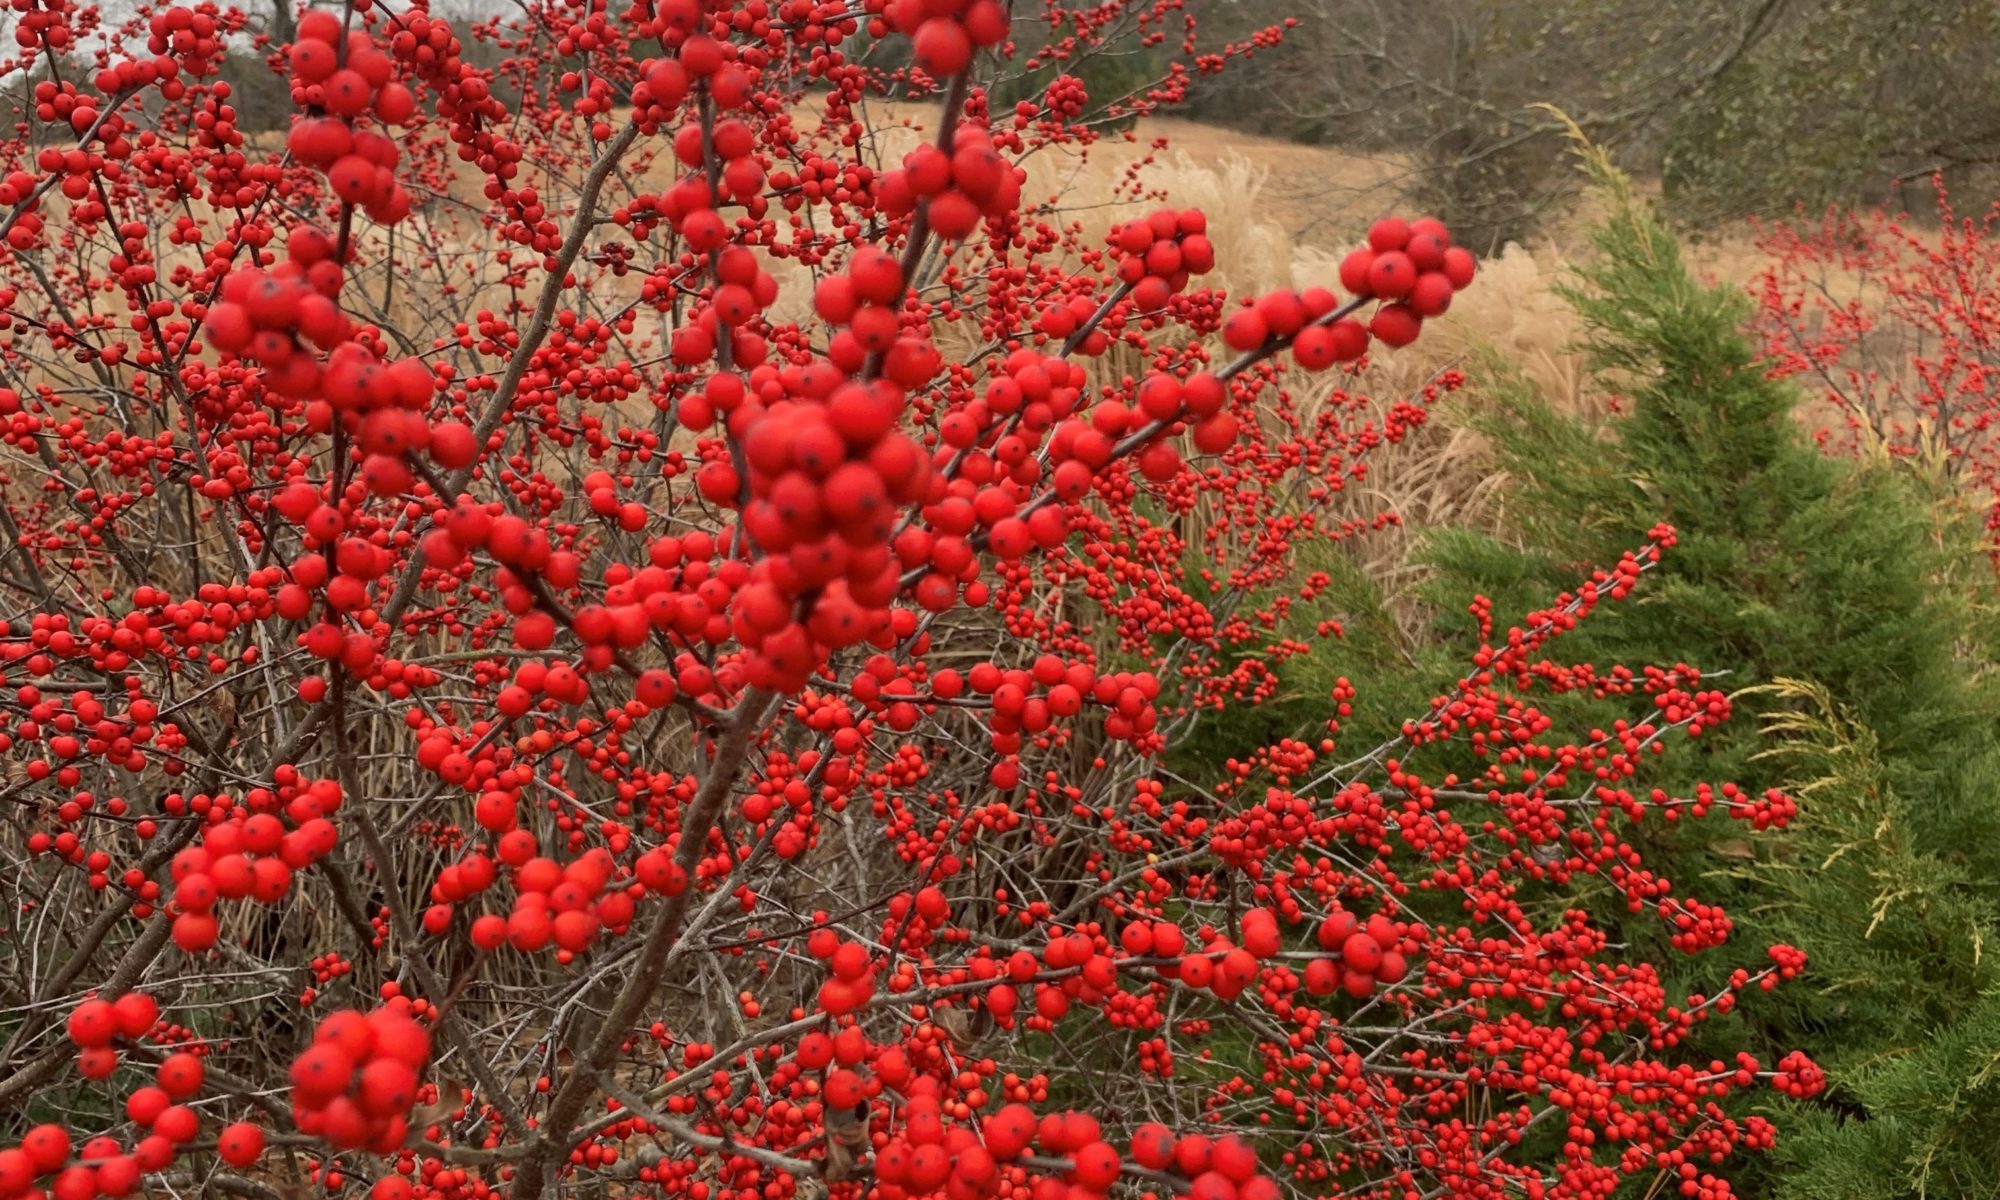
x=1899 y=916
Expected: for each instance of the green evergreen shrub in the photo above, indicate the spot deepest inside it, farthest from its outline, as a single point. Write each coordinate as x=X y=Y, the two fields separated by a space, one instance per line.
x=1845 y=601
x=1849 y=607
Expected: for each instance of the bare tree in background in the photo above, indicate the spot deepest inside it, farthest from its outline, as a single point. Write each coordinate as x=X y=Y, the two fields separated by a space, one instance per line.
x=283 y=23
x=1739 y=106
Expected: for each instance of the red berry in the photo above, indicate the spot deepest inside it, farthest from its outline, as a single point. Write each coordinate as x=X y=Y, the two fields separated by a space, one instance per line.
x=180 y=1075
x=1354 y=271
x=47 y=1147
x=240 y=1144
x=17 y=1172
x=1389 y=233
x=1211 y=1185
x=177 y=1124
x=1338 y=926
x=1361 y=953
x=1008 y=1131
x=1096 y=1166
x=1431 y=295
x=1233 y=1158
x=1459 y=266
x=1153 y=1146
x=1191 y=1154
x=1395 y=325
x=93 y=1023
x=1392 y=275
x=1245 y=330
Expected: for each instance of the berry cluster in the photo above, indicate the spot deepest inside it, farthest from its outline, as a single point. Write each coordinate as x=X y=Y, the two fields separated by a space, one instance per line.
x=1073 y=969
x=249 y=853
x=278 y=318
x=284 y=317
x=865 y=300
x=996 y=440
x=133 y=74
x=1311 y=322
x=824 y=473
x=155 y=1109
x=21 y=193
x=698 y=59
x=1798 y=1076
x=564 y=904
x=1224 y=1168
x=1159 y=254
x=103 y=1169
x=67 y=104
x=956 y=189
x=97 y=1024
x=727 y=322
x=728 y=145
x=1412 y=267
x=1027 y=703
x=1075 y=1159
x=355 y=1085
x=1365 y=956
x=104 y=1166
x=183 y=38
x=326 y=968
x=537 y=681
x=344 y=75
x=943 y=34
x=852 y=970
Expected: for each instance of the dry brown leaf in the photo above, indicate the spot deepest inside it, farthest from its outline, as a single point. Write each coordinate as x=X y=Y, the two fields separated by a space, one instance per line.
x=839 y=1161
x=847 y=1128
x=955 y=1026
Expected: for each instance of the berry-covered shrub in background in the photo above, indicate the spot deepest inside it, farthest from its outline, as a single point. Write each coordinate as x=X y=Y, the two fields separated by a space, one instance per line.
x=621 y=643
x=1896 y=327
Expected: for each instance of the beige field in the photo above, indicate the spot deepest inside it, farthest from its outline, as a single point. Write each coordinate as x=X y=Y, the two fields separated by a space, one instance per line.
x=1279 y=214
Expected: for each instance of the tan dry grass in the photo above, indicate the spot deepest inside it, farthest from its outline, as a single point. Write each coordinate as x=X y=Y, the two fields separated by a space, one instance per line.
x=1280 y=215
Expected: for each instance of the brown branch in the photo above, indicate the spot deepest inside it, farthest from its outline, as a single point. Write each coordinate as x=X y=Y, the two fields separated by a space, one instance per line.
x=731 y=753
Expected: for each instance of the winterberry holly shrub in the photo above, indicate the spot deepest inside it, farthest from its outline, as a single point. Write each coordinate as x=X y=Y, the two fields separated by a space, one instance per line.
x=580 y=626
x=1896 y=326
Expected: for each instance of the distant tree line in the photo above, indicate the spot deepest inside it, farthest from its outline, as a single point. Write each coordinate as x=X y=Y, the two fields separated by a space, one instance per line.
x=1736 y=106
